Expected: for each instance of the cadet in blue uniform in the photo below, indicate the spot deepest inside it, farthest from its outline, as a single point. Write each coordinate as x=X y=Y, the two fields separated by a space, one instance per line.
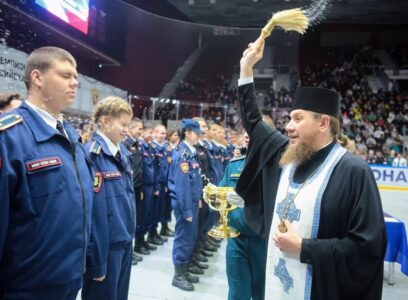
x=149 y=180
x=204 y=159
x=185 y=185
x=133 y=145
x=46 y=186
x=246 y=254
x=113 y=225
x=161 y=174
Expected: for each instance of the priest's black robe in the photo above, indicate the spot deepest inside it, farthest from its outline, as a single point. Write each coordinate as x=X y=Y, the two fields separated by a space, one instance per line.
x=347 y=256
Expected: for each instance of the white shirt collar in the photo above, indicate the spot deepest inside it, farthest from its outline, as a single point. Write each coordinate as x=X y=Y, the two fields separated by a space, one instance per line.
x=192 y=149
x=49 y=119
x=161 y=145
x=111 y=146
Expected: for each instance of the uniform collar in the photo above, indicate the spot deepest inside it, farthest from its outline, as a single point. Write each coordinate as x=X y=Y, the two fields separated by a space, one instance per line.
x=191 y=148
x=219 y=145
x=158 y=144
x=42 y=130
x=107 y=146
x=49 y=119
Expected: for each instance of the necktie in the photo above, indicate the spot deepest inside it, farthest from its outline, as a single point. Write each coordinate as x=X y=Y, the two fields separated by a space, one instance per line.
x=117 y=156
x=60 y=128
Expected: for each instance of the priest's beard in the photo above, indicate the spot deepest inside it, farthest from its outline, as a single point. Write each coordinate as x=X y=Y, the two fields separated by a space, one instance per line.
x=296 y=154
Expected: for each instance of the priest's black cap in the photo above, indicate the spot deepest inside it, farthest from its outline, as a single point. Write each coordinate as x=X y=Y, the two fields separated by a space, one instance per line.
x=318 y=100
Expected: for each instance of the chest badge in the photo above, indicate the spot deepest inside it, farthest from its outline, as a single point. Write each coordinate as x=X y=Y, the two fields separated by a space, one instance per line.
x=184 y=167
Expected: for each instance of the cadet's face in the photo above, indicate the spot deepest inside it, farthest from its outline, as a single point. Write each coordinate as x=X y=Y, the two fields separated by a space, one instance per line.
x=302 y=128
x=174 y=138
x=116 y=128
x=221 y=134
x=160 y=133
x=233 y=139
x=148 y=135
x=58 y=85
x=245 y=140
x=213 y=132
x=192 y=137
x=204 y=128
x=135 y=129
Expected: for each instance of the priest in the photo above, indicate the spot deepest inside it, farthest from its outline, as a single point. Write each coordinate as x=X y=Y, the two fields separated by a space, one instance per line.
x=317 y=205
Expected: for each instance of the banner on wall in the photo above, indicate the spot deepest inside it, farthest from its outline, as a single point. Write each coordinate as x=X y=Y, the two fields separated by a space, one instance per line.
x=12 y=69
x=391 y=178
x=90 y=91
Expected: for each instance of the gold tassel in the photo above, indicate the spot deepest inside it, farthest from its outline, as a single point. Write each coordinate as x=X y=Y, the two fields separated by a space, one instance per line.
x=289 y=20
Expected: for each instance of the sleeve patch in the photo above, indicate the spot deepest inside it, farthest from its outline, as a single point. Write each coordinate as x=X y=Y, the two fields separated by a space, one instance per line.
x=184 y=167
x=97 y=185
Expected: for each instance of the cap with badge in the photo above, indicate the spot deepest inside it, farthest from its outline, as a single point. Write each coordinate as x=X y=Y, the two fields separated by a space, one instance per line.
x=192 y=125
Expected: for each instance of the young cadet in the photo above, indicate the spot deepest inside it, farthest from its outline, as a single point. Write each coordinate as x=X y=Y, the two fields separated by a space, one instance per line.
x=45 y=186
x=161 y=165
x=204 y=159
x=113 y=225
x=185 y=185
x=149 y=180
x=133 y=145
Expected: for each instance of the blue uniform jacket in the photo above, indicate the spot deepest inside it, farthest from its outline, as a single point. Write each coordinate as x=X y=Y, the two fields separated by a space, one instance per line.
x=148 y=164
x=161 y=165
x=185 y=183
x=45 y=203
x=217 y=163
x=114 y=212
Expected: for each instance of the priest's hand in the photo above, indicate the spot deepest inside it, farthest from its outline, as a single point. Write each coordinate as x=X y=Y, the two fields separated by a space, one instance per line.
x=250 y=57
x=289 y=241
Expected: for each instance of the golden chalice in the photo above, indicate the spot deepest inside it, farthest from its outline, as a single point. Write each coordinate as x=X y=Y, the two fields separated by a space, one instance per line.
x=216 y=198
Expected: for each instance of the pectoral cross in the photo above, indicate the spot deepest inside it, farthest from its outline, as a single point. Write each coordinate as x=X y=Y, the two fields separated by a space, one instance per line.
x=287 y=211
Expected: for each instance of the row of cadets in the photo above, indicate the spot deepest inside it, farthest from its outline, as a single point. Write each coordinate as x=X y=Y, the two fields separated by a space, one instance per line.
x=134 y=145
x=185 y=186
x=218 y=159
x=161 y=209
x=109 y=253
x=141 y=245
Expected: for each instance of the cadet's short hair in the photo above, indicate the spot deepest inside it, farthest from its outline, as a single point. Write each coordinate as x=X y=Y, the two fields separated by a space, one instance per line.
x=111 y=106
x=5 y=99
x=42 y=58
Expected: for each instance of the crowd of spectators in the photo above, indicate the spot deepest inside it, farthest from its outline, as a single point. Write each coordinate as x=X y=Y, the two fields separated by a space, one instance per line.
x=400 y=56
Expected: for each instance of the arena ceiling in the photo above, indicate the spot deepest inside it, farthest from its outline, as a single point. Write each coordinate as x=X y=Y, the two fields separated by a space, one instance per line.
x=254 y=13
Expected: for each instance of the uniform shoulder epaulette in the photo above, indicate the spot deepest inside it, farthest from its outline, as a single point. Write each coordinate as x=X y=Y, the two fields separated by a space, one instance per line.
x=95 y=147
x=238 y=158
x=10 y=121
